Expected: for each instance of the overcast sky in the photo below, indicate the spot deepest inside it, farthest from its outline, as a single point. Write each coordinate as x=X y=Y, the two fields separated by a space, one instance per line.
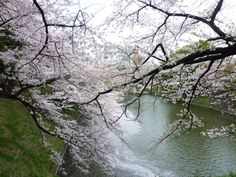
x=104 y=8
x=101 y=8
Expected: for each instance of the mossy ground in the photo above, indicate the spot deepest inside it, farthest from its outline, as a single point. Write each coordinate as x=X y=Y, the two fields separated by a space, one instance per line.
x=22 y=153
x=202 y=100
x=228 y=175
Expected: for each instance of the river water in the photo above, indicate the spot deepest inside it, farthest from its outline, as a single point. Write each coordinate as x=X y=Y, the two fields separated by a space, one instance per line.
x=187 y=155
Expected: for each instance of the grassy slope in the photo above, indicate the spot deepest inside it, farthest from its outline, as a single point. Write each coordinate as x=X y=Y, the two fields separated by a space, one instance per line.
x=21 y=151
x=202 y=100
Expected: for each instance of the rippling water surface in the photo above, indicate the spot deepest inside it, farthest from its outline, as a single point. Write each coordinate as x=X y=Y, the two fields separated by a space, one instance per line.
x=178 y=156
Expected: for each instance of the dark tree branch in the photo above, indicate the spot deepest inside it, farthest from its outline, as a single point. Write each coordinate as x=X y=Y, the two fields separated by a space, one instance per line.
x=45 y=26
x=74 y=22
x=210 y=23
x=188 y=112
x=34 y=110
x=25 y=87
x=194 y=88
x=216 y=10
x=99 y=94
x=154 y=51
x=4 y=22
x=8 y=20
x=46 y=33
x=101 y=110
x=64 y=25
x=152 y=56
x=138 y=12
x=173 y=129
x=197 y=83
x=197 y=57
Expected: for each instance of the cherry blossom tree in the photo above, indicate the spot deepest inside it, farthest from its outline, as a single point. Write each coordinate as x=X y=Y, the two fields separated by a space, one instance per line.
x=47 y=63
x=193 y=43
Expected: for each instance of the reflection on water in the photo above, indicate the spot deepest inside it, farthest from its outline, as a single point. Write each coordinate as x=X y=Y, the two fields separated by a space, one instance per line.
x=178 y=156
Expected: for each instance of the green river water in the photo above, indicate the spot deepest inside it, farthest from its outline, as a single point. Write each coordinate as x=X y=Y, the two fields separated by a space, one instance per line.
x=187 y=155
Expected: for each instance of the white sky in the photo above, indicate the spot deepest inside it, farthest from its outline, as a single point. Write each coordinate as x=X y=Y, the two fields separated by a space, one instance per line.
x=103 y=8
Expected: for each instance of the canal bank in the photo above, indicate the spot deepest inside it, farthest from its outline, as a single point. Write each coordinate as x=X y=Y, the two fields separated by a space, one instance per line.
x=22 y=152
x=216 y=108
x=190 y=155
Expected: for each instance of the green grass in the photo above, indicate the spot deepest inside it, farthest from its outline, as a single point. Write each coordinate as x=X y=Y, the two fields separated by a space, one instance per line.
x=228 y=175
x=46 y=90
x=202 y=100
x=22 y=153
x=71 y=112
